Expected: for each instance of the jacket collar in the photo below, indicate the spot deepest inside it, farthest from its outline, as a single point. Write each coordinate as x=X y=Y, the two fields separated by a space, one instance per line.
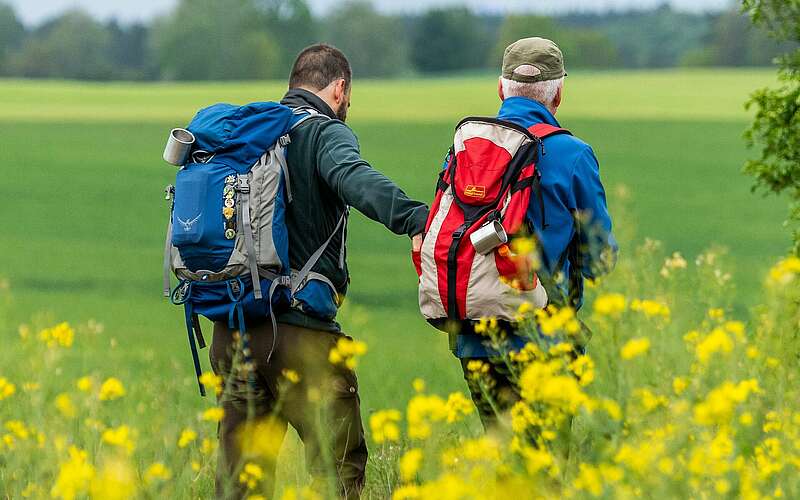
x=299 y=98
x=526 y=112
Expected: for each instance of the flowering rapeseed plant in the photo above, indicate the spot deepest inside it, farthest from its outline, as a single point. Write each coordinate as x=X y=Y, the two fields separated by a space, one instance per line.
x=111 y=389
x=384 y=426
x=676 y=395
x=347 y=351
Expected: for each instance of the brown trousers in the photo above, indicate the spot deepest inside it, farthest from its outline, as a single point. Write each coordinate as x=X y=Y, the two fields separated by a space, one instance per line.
x=323 y=406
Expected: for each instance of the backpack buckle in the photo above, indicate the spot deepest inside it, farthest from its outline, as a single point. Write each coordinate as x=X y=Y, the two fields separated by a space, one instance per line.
x=244 y=184
x=285 y=140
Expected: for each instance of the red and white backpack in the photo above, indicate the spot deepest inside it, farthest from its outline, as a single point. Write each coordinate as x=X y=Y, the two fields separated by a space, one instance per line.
x=489 y=178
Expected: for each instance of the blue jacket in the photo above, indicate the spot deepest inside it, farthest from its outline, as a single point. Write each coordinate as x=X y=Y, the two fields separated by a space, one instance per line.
x=578 y=226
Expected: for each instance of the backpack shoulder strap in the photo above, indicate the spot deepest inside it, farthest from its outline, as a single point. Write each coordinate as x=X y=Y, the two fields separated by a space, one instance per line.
x=302 y=115
x=542 y=130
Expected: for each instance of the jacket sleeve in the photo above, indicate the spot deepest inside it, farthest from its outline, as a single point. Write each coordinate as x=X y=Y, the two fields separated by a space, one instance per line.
x=597 y=248
x=362 y=187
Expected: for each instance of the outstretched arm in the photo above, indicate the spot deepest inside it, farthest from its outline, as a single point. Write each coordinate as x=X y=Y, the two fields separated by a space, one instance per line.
x=364 y=188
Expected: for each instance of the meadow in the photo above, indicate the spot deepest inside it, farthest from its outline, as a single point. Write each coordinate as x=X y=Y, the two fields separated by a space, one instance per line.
x=84 y=217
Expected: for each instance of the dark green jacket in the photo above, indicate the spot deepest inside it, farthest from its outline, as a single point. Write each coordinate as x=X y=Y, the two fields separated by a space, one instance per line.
x=327 y=174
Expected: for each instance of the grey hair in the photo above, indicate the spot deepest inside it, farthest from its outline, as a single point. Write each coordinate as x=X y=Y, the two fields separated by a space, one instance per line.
x=544 y=92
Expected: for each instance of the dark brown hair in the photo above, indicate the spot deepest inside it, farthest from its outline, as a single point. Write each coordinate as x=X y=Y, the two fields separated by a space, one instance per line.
x=318 y=65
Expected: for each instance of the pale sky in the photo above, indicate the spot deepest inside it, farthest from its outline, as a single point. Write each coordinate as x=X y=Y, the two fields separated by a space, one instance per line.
x=34 y=11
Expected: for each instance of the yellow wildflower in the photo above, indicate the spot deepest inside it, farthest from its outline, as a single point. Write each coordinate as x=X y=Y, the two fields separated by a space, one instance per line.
x=7 y=389
x=458 y=406
x=679 y=384
x=212 y=380
x=207 y=446
x=262 y=439
x=422 y=410
x=583 y=368
x=291 y=375
x=84 y=384
x=384 y=426
x=18 y=428
x=347 y=351
x=666 y=466
x=116 y=481
x=545 y=383
x=612 y=408
x=718 y=406
x=74 y=476
x=111 y=389
x=785 y=271
x=410 y=463
x=649 y=400
x=538 y=459
x=718 y=341
x=251 y=475
x=418 y=384
x=64 y=405
x=634 y=348
x=610 y=304
x=186 y=438
x=523 y=246
x=157 y=472
x=523 y=311
x=60 y=335
x=476 y=366
x=650 y=308
x=406 y=492
x=486 y=326
x=214 y=414
x=120 y=437
x=589 y=480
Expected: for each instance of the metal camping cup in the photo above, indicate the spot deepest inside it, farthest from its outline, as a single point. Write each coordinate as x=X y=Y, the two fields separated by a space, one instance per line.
x=488 y=237
x=178 y=145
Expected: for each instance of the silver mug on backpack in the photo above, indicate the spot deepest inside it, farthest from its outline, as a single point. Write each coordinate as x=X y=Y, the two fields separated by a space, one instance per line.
x=488 y=237
x=178 y=146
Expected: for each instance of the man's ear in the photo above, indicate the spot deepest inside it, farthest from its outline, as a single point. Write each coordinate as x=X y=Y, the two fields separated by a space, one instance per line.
x=339 y=91
x=557 y=98
x=500 y=89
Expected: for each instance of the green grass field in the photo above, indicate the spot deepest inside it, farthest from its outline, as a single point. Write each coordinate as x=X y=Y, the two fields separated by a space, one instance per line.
x=83 y=215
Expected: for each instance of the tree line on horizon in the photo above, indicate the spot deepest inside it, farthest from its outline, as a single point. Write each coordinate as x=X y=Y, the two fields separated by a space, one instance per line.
x=258 y=39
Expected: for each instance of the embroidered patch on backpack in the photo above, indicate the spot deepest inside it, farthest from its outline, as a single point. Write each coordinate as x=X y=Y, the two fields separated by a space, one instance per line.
x=475 y=191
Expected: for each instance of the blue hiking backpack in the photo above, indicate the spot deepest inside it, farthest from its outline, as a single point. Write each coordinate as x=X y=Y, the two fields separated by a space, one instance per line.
x=227 y=240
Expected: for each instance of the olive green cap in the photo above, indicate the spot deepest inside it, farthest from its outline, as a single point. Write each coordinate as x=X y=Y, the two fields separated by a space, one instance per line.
x=533 y=60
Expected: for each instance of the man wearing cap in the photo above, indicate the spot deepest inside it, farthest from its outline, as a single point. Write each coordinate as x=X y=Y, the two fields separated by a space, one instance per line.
x=576 y=240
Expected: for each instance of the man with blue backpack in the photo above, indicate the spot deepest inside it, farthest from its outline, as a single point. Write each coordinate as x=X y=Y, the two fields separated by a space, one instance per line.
x=516 y=174
x=257 y=239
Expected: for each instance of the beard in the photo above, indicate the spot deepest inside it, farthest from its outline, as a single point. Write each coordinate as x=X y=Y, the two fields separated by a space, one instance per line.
x=341 y=113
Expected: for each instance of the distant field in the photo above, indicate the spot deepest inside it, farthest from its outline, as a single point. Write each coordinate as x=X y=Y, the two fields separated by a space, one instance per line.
x=710 y=94
x=83 y=214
